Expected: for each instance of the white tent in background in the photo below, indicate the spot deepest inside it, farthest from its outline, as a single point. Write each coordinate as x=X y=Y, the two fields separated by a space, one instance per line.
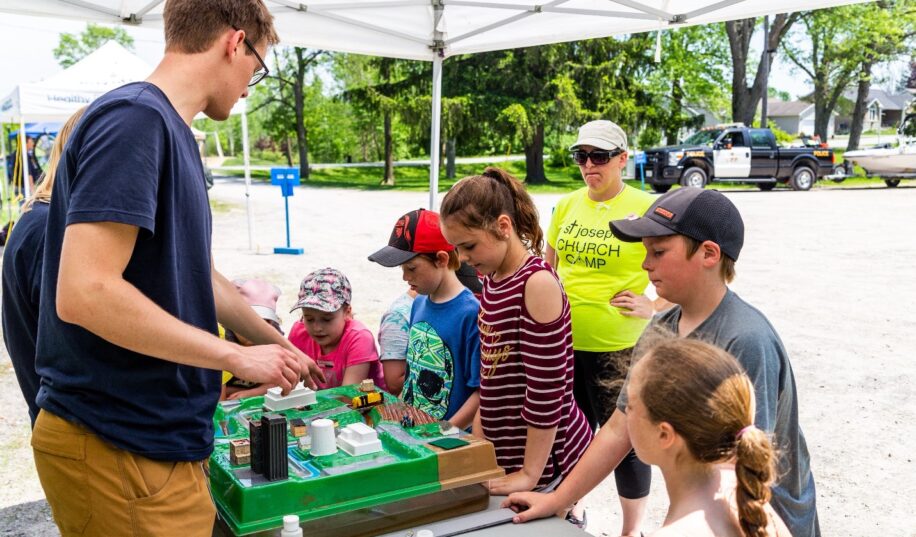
x=57 y=97
x=433 y=30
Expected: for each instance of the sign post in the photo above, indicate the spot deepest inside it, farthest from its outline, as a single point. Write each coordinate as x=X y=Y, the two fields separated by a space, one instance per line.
x=286 y=179
x=641 y=162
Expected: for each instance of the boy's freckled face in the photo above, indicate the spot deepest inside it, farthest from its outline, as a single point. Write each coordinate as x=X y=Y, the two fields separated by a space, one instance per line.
x=669 y=269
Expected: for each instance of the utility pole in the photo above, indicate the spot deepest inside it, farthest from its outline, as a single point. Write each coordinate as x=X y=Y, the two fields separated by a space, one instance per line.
x=766 y=71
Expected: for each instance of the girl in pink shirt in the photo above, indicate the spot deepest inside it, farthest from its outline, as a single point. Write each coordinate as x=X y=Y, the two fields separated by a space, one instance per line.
x=342 y=346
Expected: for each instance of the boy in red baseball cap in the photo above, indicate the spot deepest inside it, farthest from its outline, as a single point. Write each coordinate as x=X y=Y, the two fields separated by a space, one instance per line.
x=442 y=370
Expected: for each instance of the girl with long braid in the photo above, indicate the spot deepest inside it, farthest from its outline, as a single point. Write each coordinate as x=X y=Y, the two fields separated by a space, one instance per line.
x=691 y=413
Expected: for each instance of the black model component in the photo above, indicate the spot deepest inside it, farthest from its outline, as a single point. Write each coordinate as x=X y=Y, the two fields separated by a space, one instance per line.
x=255 y=435
x=734 y=153
x=273 y=431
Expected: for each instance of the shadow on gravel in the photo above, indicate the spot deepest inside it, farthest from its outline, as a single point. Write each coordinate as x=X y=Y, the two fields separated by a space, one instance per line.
x=31 y=519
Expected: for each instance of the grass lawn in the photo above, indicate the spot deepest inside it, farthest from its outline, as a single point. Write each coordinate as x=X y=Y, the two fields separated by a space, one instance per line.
x=560 y=179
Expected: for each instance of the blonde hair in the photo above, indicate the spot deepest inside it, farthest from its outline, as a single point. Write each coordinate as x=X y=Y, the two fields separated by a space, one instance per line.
x=46 y=185
x=479 y=200
x=704 y=394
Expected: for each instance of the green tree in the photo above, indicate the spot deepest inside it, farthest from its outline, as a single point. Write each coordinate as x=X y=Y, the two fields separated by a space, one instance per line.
x=882 y=31
x=746 y=97
x=287 y=96
x=827 y=52
x=692 y=71
x=73 y=48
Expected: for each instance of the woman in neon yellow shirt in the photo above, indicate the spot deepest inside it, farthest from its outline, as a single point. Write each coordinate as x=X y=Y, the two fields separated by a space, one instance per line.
x=604 y=280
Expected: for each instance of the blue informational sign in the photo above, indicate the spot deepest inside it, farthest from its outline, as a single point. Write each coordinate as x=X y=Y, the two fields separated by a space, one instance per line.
x=286 y=179
x=284 y=176
x=641 y=157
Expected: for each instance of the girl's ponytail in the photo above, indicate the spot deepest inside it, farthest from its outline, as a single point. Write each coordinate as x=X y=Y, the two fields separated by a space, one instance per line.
x=755 y=470
x=524 y=214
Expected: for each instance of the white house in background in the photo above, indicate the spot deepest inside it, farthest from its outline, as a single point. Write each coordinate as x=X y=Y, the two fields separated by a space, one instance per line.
x=709 y=119
x=796 y=117
x=884 y=109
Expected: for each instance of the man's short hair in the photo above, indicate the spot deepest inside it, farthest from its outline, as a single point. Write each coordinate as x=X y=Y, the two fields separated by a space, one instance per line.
x=191 y=26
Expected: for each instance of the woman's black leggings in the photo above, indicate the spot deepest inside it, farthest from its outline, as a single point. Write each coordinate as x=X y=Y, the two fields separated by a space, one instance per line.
x=597 y=400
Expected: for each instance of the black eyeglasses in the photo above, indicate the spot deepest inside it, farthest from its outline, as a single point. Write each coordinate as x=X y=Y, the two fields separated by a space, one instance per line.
x=598 y=157
x=261 y=73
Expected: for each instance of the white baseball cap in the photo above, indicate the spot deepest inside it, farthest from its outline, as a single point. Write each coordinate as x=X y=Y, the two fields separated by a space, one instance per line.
x=602 y=134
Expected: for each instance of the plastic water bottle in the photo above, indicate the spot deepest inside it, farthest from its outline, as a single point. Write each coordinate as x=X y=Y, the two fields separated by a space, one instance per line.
x=291 y=526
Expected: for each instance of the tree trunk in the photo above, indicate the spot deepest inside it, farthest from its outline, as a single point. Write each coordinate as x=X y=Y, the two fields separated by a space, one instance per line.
x=288 y=150
x=299 y=99
x=388 y=179
x=858 y=113
x=674 y=126
x=534 y=158
x=450 y=158
x=746 y=99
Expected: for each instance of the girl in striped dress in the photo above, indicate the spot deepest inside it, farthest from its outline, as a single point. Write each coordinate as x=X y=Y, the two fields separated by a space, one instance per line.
x=527 y=409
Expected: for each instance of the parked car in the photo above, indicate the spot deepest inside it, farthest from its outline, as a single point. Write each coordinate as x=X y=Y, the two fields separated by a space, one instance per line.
x=737 y=154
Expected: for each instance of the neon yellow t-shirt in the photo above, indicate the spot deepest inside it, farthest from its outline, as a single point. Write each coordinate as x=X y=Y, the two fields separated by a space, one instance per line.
x=594 y=266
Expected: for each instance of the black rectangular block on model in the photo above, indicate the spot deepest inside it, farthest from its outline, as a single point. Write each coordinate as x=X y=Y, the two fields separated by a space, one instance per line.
x=273 y=431
x=256 y=437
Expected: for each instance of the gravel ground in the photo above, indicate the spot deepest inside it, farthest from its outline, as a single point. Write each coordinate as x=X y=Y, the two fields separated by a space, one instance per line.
x=829 y=267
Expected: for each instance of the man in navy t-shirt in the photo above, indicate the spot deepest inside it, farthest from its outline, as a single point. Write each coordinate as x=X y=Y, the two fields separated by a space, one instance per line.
x=127 y=349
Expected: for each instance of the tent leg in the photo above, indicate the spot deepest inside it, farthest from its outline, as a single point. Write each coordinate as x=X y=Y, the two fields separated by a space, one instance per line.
x=4 y=181
x=25 y=158
x=434 y=133
x=247 y=163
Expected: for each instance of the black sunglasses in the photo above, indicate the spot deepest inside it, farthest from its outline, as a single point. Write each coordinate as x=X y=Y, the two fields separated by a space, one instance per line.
x=599 y=156
x=261 y=73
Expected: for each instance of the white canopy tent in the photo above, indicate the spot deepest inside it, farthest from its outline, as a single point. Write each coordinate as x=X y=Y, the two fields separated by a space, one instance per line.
x=433 y=30
x=57 y=97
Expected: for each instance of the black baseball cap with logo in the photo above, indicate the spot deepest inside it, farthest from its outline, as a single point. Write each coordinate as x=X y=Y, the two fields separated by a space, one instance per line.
x=702 y=215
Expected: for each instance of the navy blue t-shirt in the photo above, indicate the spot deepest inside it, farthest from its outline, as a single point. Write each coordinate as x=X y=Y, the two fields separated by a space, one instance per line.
x=21 y=289
x=133 y=160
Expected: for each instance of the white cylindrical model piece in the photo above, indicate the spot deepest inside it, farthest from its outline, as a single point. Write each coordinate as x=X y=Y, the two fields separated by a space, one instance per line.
x=425 y=533
x=291 y=526
x=323 y=439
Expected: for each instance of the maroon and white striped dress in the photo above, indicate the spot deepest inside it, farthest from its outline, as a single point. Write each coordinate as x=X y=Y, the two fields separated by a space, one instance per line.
x=526 y=376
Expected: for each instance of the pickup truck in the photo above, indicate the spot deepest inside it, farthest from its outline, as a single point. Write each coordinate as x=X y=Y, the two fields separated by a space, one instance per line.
x=737 y=154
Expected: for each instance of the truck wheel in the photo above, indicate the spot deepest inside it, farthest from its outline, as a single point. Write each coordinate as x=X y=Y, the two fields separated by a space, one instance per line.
x=766 y=187
x=661 y=189
x=694 y=177
x=802 y=178
x=892 y=183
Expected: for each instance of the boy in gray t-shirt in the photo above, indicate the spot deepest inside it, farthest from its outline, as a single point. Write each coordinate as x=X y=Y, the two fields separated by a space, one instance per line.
x=692 y=238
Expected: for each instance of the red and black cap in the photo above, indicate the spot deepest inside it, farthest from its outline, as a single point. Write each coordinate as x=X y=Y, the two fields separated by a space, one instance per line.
x=703 y=215
x=417 y=232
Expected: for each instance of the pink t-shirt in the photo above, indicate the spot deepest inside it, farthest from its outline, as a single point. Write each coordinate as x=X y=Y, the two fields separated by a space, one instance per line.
x=357 y=346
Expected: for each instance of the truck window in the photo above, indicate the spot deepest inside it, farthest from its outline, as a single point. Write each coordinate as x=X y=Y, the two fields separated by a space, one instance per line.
x=733 y=139
x=760 y=139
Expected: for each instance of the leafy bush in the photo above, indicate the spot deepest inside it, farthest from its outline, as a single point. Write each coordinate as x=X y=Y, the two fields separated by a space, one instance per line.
x=649 y=137
x=782 y=137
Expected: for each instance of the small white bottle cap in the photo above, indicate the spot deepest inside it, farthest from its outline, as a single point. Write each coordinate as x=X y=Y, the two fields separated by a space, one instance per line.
x=290 y=522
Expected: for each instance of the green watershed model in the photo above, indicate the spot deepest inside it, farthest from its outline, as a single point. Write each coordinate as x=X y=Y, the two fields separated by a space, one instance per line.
x=350 y=460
